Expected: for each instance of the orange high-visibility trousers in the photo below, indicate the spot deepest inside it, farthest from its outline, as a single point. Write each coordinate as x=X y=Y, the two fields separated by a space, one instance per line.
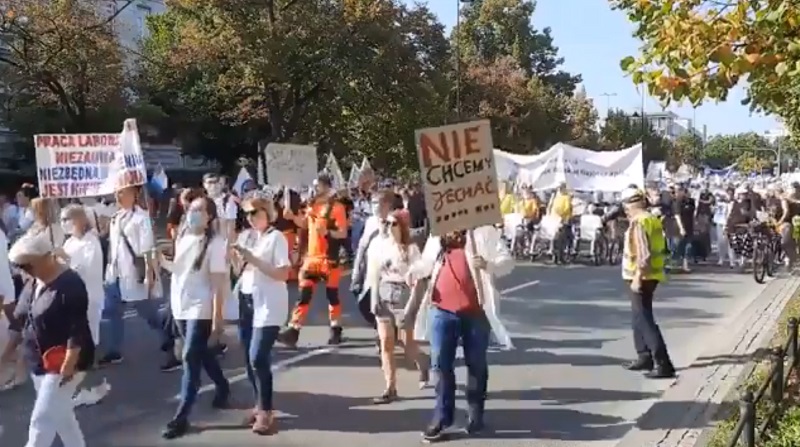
x=291 y=238
x=312 y=272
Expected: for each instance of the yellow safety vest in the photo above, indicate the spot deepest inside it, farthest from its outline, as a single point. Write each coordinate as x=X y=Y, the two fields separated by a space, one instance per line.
x=656 y=243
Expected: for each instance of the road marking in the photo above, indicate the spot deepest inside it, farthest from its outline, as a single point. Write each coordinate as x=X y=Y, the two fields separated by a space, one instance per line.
x=276 y=368
x=519 y=287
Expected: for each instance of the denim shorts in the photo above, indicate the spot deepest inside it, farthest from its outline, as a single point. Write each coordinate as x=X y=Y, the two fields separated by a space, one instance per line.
x=392 y=300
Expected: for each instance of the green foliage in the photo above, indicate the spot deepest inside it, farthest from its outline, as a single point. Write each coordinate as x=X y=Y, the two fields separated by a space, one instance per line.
x=699 y=49
x=621 y=130
x=723 y=150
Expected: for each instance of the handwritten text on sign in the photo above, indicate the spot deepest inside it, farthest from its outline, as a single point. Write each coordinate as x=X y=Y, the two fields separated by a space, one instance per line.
x=291 y=165
x=459 y=177
x=81 y=165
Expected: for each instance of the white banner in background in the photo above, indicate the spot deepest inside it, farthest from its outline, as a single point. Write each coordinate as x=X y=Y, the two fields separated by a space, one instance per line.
x=580 y=169
x=291 y=165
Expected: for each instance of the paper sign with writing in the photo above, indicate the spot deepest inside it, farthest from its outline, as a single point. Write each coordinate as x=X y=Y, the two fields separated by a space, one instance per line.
x=85 y=165
x=291 y=165
x=459 y=176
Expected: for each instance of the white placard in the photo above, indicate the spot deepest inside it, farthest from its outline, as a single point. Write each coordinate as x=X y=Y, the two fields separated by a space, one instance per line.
x=292 y=165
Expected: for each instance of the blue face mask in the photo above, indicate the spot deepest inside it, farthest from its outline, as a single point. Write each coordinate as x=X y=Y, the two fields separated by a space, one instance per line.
x=194 y=219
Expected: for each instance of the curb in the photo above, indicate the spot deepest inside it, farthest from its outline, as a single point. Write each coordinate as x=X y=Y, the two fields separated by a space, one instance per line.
x=686 y=410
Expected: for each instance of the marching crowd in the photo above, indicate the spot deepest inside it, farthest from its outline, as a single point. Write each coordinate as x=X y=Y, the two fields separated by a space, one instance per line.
x=65 y=268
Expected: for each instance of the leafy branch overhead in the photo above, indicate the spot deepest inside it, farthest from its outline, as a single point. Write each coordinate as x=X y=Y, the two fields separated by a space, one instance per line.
x=699 y=49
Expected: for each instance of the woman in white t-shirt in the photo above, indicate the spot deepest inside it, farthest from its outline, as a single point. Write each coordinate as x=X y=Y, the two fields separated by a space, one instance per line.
x=199 y=268
x=83 y=253
x=389 y=261
x=263 y=303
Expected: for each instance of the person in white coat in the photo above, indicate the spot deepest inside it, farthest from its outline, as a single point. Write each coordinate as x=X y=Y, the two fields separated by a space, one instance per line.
x=16 y=374
x=83 y=254
x=460 y=303
x=130 y=275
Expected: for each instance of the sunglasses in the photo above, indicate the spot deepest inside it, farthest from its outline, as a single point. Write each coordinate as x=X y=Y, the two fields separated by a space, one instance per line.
x=252 y=212
x=27 y=268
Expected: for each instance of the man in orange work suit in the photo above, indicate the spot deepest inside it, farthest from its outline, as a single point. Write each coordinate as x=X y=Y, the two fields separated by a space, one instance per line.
x=326 y=227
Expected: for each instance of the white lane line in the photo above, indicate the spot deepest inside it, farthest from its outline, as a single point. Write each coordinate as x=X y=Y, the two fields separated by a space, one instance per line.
x=276 y=368
x=520 y=287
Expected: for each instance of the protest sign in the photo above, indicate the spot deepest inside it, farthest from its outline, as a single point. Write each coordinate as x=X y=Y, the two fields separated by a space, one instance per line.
x=84 y=165
x=458 y=176
x=291 y=165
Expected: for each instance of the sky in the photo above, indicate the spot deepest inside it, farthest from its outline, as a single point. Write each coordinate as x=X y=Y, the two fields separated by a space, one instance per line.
x=593 y=39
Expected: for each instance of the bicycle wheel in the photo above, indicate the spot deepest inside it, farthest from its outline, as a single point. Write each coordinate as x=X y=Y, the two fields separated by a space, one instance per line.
x=600 y=249
x=759 y=267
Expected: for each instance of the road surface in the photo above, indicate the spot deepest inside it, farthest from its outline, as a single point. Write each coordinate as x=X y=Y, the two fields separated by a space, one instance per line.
x=562 y=386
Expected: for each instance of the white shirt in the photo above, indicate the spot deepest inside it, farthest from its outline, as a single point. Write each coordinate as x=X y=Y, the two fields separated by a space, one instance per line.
x=86 y=258
x=192 y=294
x=7 y=292
x=137 y=228
x=227 y=209
x=10 y=216
x=248 y=239
x=25 y=218
x=270 y=297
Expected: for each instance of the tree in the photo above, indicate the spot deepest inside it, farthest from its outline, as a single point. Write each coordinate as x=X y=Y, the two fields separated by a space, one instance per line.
x=700 y=49
x=493 y=29
x=685 y=150
x=62 y=67
x=582 y=118
x=724 y=150
x=355 y=77
x=620 y=131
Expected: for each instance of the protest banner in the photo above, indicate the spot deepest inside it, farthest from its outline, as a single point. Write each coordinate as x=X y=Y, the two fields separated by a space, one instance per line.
x=85 y=165
x=581 y=169
x=458 y=176
x=291 y=165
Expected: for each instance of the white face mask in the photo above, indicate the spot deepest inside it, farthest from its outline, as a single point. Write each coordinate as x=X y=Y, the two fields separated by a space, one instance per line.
x=214 y=190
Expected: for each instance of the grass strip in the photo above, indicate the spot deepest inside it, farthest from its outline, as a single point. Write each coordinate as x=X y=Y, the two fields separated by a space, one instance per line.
x=785 y=431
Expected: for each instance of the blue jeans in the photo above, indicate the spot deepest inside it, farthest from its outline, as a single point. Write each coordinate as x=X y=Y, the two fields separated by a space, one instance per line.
x=257 y=345
x=197 y=356
x=356 y=231
x=680 y=247
x=446 y=329
x=112 y=332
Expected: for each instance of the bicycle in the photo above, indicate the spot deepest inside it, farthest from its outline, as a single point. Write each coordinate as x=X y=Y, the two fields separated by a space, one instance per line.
x=763 y=252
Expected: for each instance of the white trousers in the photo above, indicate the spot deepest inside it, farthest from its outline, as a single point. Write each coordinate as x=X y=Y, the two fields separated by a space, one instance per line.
x=723 y=247
x=54 y=413
x=94 y=314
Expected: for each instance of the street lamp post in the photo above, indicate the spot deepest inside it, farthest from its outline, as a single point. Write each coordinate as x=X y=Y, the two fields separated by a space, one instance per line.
x=776 y=152
x=608 y=97
x=458 y=56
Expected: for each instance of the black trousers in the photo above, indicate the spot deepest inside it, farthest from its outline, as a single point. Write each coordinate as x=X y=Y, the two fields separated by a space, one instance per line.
x=647 y=338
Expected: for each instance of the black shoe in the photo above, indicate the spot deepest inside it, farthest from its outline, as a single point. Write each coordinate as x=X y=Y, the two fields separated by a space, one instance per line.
x=662 y=371
x=112 y=358
x=640 y=364
x=175 y=430
x=475 y=426
x=436 y=433
x=221 y=399
x=289 y=337
x=336 y=336
x=172 y=364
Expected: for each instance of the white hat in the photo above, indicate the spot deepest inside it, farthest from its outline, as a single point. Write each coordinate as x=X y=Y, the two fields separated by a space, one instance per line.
x=35 y=243
x=629 y=195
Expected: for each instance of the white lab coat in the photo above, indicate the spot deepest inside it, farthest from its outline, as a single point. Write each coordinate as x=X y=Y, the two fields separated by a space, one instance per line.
x=489 y=245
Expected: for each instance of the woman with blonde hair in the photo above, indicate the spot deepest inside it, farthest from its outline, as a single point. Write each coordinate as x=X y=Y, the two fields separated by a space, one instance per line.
x=45 y=219
x=389 y=260
x=262 y=254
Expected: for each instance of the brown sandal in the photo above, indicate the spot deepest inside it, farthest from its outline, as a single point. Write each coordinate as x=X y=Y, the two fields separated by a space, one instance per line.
x=250 y=419
x=264 y=424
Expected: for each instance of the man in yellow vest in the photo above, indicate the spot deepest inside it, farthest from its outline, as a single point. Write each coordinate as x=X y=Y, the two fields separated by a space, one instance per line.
x=644 y=255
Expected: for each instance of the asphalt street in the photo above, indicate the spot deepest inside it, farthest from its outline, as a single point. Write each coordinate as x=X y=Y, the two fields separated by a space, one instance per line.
x=562 y=386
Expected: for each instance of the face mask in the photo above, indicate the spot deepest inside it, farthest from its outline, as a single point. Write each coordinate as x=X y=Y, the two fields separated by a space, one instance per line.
x=68 y=227
x=214 y=190
x=194 y=219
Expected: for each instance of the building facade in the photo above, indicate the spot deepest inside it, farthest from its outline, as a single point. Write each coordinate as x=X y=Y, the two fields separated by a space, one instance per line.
x=671 y=126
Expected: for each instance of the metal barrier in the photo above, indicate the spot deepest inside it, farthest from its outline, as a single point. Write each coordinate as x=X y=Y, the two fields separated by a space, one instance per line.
x=747 y=430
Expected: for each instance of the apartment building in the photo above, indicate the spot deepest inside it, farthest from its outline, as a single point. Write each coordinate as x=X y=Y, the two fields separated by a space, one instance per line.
x=670 y=125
